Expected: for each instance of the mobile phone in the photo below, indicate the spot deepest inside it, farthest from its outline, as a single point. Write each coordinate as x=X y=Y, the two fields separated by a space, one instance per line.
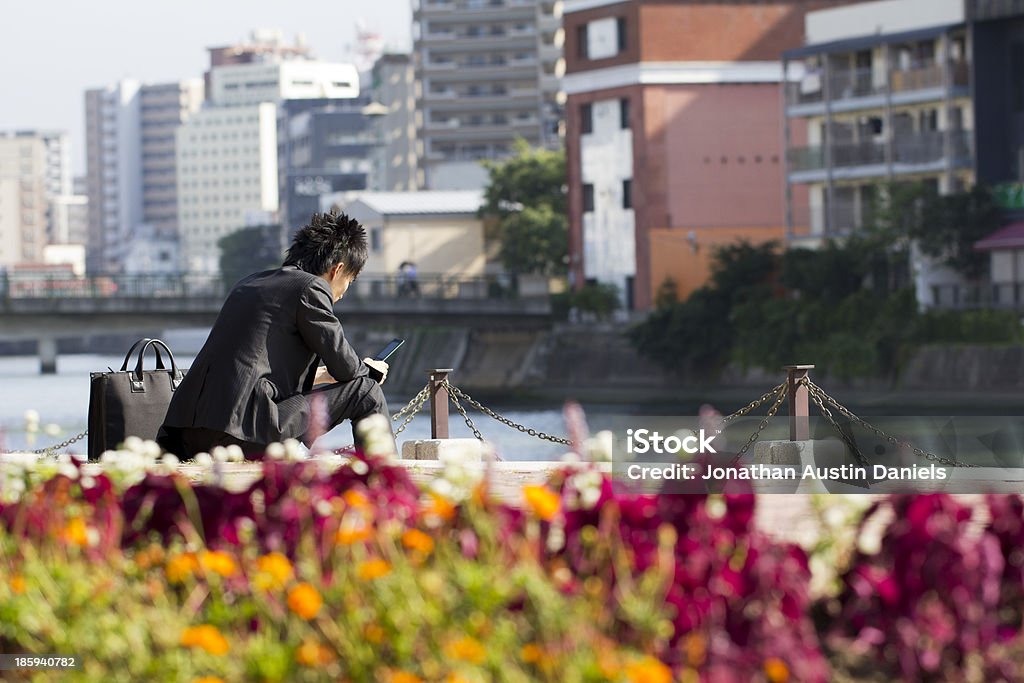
x=383 y=355
x=389 y=350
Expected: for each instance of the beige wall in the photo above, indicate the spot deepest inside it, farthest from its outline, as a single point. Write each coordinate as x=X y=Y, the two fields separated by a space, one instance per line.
x=450 y=246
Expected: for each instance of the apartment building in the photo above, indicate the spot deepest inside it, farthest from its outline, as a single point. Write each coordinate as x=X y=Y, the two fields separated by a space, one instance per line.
x=393 y=86
x=894 y=91
x=673 y=141
x=130 y=163
x=23 y=197
x=488 y=72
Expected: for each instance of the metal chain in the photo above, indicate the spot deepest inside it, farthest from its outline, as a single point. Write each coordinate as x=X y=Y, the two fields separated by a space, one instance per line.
x=779 y=398
x=827 y=414
x=412 y=407
x=56 y=447
x=465 y=416
x=774 y=391
x=456 y=392
x=920 y=452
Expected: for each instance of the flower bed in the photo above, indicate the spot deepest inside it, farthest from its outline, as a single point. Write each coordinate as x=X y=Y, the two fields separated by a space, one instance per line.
x=358 y=574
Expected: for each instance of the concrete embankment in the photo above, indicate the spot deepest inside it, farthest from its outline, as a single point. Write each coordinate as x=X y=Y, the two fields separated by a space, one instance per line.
x=596 y=363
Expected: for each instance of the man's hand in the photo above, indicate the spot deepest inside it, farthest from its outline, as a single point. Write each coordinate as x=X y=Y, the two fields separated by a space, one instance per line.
x=378 y=365
x=323 y=377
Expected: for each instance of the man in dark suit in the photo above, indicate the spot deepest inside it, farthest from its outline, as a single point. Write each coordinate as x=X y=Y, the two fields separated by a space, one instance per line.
x=253 y=381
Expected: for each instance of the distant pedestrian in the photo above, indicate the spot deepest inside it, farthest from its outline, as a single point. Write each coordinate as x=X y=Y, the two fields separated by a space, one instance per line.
x=407 y=283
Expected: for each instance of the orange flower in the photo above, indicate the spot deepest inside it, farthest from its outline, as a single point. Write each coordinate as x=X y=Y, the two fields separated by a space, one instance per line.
x=208 y=679
x=414 y=539
x=466 y=649
x=305 y=601
x=404 y=677
x=372 y=569
x=356 y=499
x=180 y=567
x=776 y=670
x=352 y=533
x=312 y=653
x=149 y=557
x=75 y=532
x=543 y=501
x=648 y=670
x=205 y=637
x=696 y=647
x=455 y=678
x=272 y=571
x=609 y=664
x=531 y=653
x=218 y=562
x=18 y=585
x=439 y=507
x=373 y=633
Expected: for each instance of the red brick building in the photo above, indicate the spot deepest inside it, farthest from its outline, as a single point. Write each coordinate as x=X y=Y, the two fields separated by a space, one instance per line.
x=674 y=123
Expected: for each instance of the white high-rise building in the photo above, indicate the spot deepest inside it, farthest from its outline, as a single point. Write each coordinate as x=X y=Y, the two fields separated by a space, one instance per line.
x=488 y=72
x=25 y=173
x=227 y=171
x=131 y=166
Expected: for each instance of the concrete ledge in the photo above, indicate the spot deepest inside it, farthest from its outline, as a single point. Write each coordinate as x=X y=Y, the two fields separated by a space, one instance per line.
x=796 y=453
x=434 y=449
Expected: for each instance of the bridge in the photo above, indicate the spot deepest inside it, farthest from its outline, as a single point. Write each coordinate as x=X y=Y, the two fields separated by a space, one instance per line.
x=47 y=309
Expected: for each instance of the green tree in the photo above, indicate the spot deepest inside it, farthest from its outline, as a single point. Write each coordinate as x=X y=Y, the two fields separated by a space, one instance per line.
x=248 y=251
x=953 y=224
x=526 y=195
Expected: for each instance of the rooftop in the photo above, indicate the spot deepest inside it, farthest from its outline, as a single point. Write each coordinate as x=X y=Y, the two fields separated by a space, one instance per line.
x=420 y=203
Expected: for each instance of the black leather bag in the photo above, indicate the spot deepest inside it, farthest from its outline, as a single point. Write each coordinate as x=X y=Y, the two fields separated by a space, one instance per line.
x=131 y=402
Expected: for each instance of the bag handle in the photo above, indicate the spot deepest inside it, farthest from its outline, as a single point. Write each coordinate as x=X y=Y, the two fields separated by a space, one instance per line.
x=159 y=357
x=157 y=345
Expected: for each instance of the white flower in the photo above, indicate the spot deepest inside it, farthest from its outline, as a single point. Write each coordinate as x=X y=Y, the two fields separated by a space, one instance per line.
x=203 y=459
x=235 y=453
x=600 y=446
x=133 y=444
x=556 y=538
x=150 y=449
x=169 y=460
x=360 y=467
x=293 y=450
x=275 y=451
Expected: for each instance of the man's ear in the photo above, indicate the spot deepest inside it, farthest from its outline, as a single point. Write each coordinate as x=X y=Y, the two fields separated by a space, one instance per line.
x=337 y=269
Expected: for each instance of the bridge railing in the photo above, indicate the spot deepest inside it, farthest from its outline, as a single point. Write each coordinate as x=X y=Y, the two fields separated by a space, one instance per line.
x=199 y=285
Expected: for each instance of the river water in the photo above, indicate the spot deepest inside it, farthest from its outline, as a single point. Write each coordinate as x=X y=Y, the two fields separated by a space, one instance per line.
x=62 y=401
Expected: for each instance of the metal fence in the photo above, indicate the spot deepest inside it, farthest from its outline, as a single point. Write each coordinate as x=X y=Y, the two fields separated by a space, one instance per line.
x=196 y=285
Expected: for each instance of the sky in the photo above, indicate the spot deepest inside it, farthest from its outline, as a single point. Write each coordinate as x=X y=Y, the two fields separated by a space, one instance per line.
x=52 y=51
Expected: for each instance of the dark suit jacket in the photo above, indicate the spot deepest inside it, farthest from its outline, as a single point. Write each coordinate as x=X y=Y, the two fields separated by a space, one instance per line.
x=262 y=353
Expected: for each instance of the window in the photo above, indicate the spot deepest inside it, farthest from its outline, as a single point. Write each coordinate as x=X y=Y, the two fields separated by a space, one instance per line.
x=624 y=113
x=627 y=193
x=620 y=26
x=375 y=239
x=1017 y=76
x=581 y=41
x=588 y=197
x=587 y=118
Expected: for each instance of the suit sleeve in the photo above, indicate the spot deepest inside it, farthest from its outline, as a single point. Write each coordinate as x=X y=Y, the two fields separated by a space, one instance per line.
x=322 y=332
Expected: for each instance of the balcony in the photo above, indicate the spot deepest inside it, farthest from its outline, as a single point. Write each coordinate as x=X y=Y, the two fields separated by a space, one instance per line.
x=921 y=78
x=863 y=88
x=846 y=215
x=909 y=153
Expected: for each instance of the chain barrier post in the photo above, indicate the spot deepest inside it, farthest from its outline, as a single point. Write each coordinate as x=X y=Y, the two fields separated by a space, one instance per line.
x=796 y=393
x=439 y=403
